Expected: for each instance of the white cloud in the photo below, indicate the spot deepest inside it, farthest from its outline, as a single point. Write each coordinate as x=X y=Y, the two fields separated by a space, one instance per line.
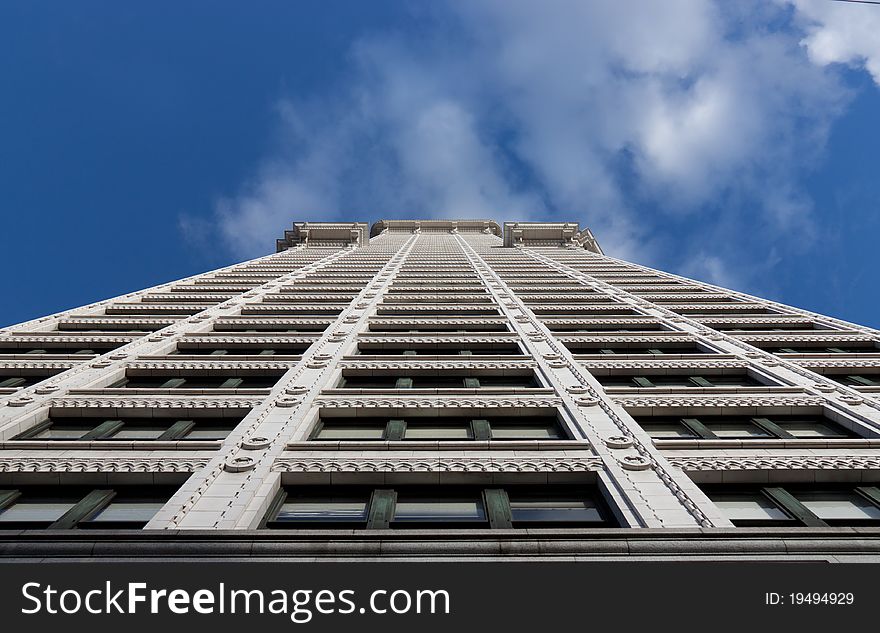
x=567 y=109
x=842 y=32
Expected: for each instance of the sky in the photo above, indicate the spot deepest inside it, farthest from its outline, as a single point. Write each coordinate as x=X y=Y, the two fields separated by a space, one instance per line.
x=733 y=142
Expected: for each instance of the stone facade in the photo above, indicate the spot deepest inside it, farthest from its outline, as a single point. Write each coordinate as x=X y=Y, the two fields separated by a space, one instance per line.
x=613 y=349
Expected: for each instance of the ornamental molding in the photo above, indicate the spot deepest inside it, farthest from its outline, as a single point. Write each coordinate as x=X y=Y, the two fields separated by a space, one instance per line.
x=104 y=320
x=592 y=337
x=197 y=365
x=664 y=364
x=291 y=296
x=438 y=307
x=173 y=297
x=37 y=364
x=831 y=363
x=716 y=306
x=788 y=462
x=609 y=320
x=293 y=309
x=105 y=465
x=459 y=402
x=466 y=465
x=708 y=297
x=247 y=339
x=440 y=321
x=274 y=321
x=437 y=364
x=183 y=402
x=150 y=306
x=743 y=320
x=796 y=337
x=660 y=400
x=464 y=338
x=78 y=338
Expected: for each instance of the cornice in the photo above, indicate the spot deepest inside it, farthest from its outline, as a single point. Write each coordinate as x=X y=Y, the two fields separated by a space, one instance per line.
x=708 y=400
x=438 y=402
x=115 y=464
x=788 y=462
x=439 y=465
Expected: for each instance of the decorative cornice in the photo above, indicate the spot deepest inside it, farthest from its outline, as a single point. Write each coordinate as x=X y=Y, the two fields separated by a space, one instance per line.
x=708 y=363
x=808 y=336
x=417 y=365
x=788 y=462
x=182 y=402
x=708 y=400
x=438 y=402
x=114 y=464
x=38 y=364
x=441 y=464
x=205 y=365
x=833 y=363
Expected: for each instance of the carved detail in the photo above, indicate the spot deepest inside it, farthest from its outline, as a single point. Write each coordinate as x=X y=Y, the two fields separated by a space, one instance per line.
x=98 y=465
x=793 y=462
x=462 y=464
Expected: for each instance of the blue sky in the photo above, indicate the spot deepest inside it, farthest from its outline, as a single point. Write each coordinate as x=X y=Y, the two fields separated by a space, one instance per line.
x=733 y=142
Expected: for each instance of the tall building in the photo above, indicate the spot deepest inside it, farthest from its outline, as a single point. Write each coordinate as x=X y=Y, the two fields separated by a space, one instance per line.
x=439 y=388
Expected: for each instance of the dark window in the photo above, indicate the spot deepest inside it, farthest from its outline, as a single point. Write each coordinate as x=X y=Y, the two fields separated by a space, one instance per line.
x=577 y=349
x=443 y=428
x=674 y=380
x=439 y=507
x=130 y=429
x=14 y=382
x=743 y=427
x=435 y=382
x=70 y=507
x=439 y=351
x=197 y=382
x=798 y=504
x=241 y=351
x=856 y=380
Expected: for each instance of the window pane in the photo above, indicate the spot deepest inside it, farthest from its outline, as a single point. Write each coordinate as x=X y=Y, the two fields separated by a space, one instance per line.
x=204 y=432
x=63 y=432
x=522 y=431
x=743 y=429
x=555 y=510
x=436 y=432
x=749 y=507
x=668 y=430
x=36 y=510
x=839 y=505
x=813 y=429
x=323 y=509
x=439 y=509
x=351 y=432
x=130 y=511
x=138 y=432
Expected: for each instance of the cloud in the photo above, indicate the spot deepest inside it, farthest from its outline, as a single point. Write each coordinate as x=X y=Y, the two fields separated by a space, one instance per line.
x=663 y=126
x=838 y=32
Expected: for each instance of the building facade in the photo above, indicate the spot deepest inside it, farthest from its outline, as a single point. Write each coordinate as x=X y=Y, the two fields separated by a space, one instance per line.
x=439 y=389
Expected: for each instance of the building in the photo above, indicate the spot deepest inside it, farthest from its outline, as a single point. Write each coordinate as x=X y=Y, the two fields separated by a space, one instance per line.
x=439 y=388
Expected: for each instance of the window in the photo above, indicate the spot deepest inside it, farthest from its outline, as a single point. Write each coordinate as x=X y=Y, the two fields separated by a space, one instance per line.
x=96 y=429
x=197 y=382
x=856 y=380
x=798 y=504
x=744 y=427
x=654 y=351
x=420 y=350
x=435 y=382
x=417 y=507
x=675 y=380
x=439 y=429
x=77 y=507
x=242 y=351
